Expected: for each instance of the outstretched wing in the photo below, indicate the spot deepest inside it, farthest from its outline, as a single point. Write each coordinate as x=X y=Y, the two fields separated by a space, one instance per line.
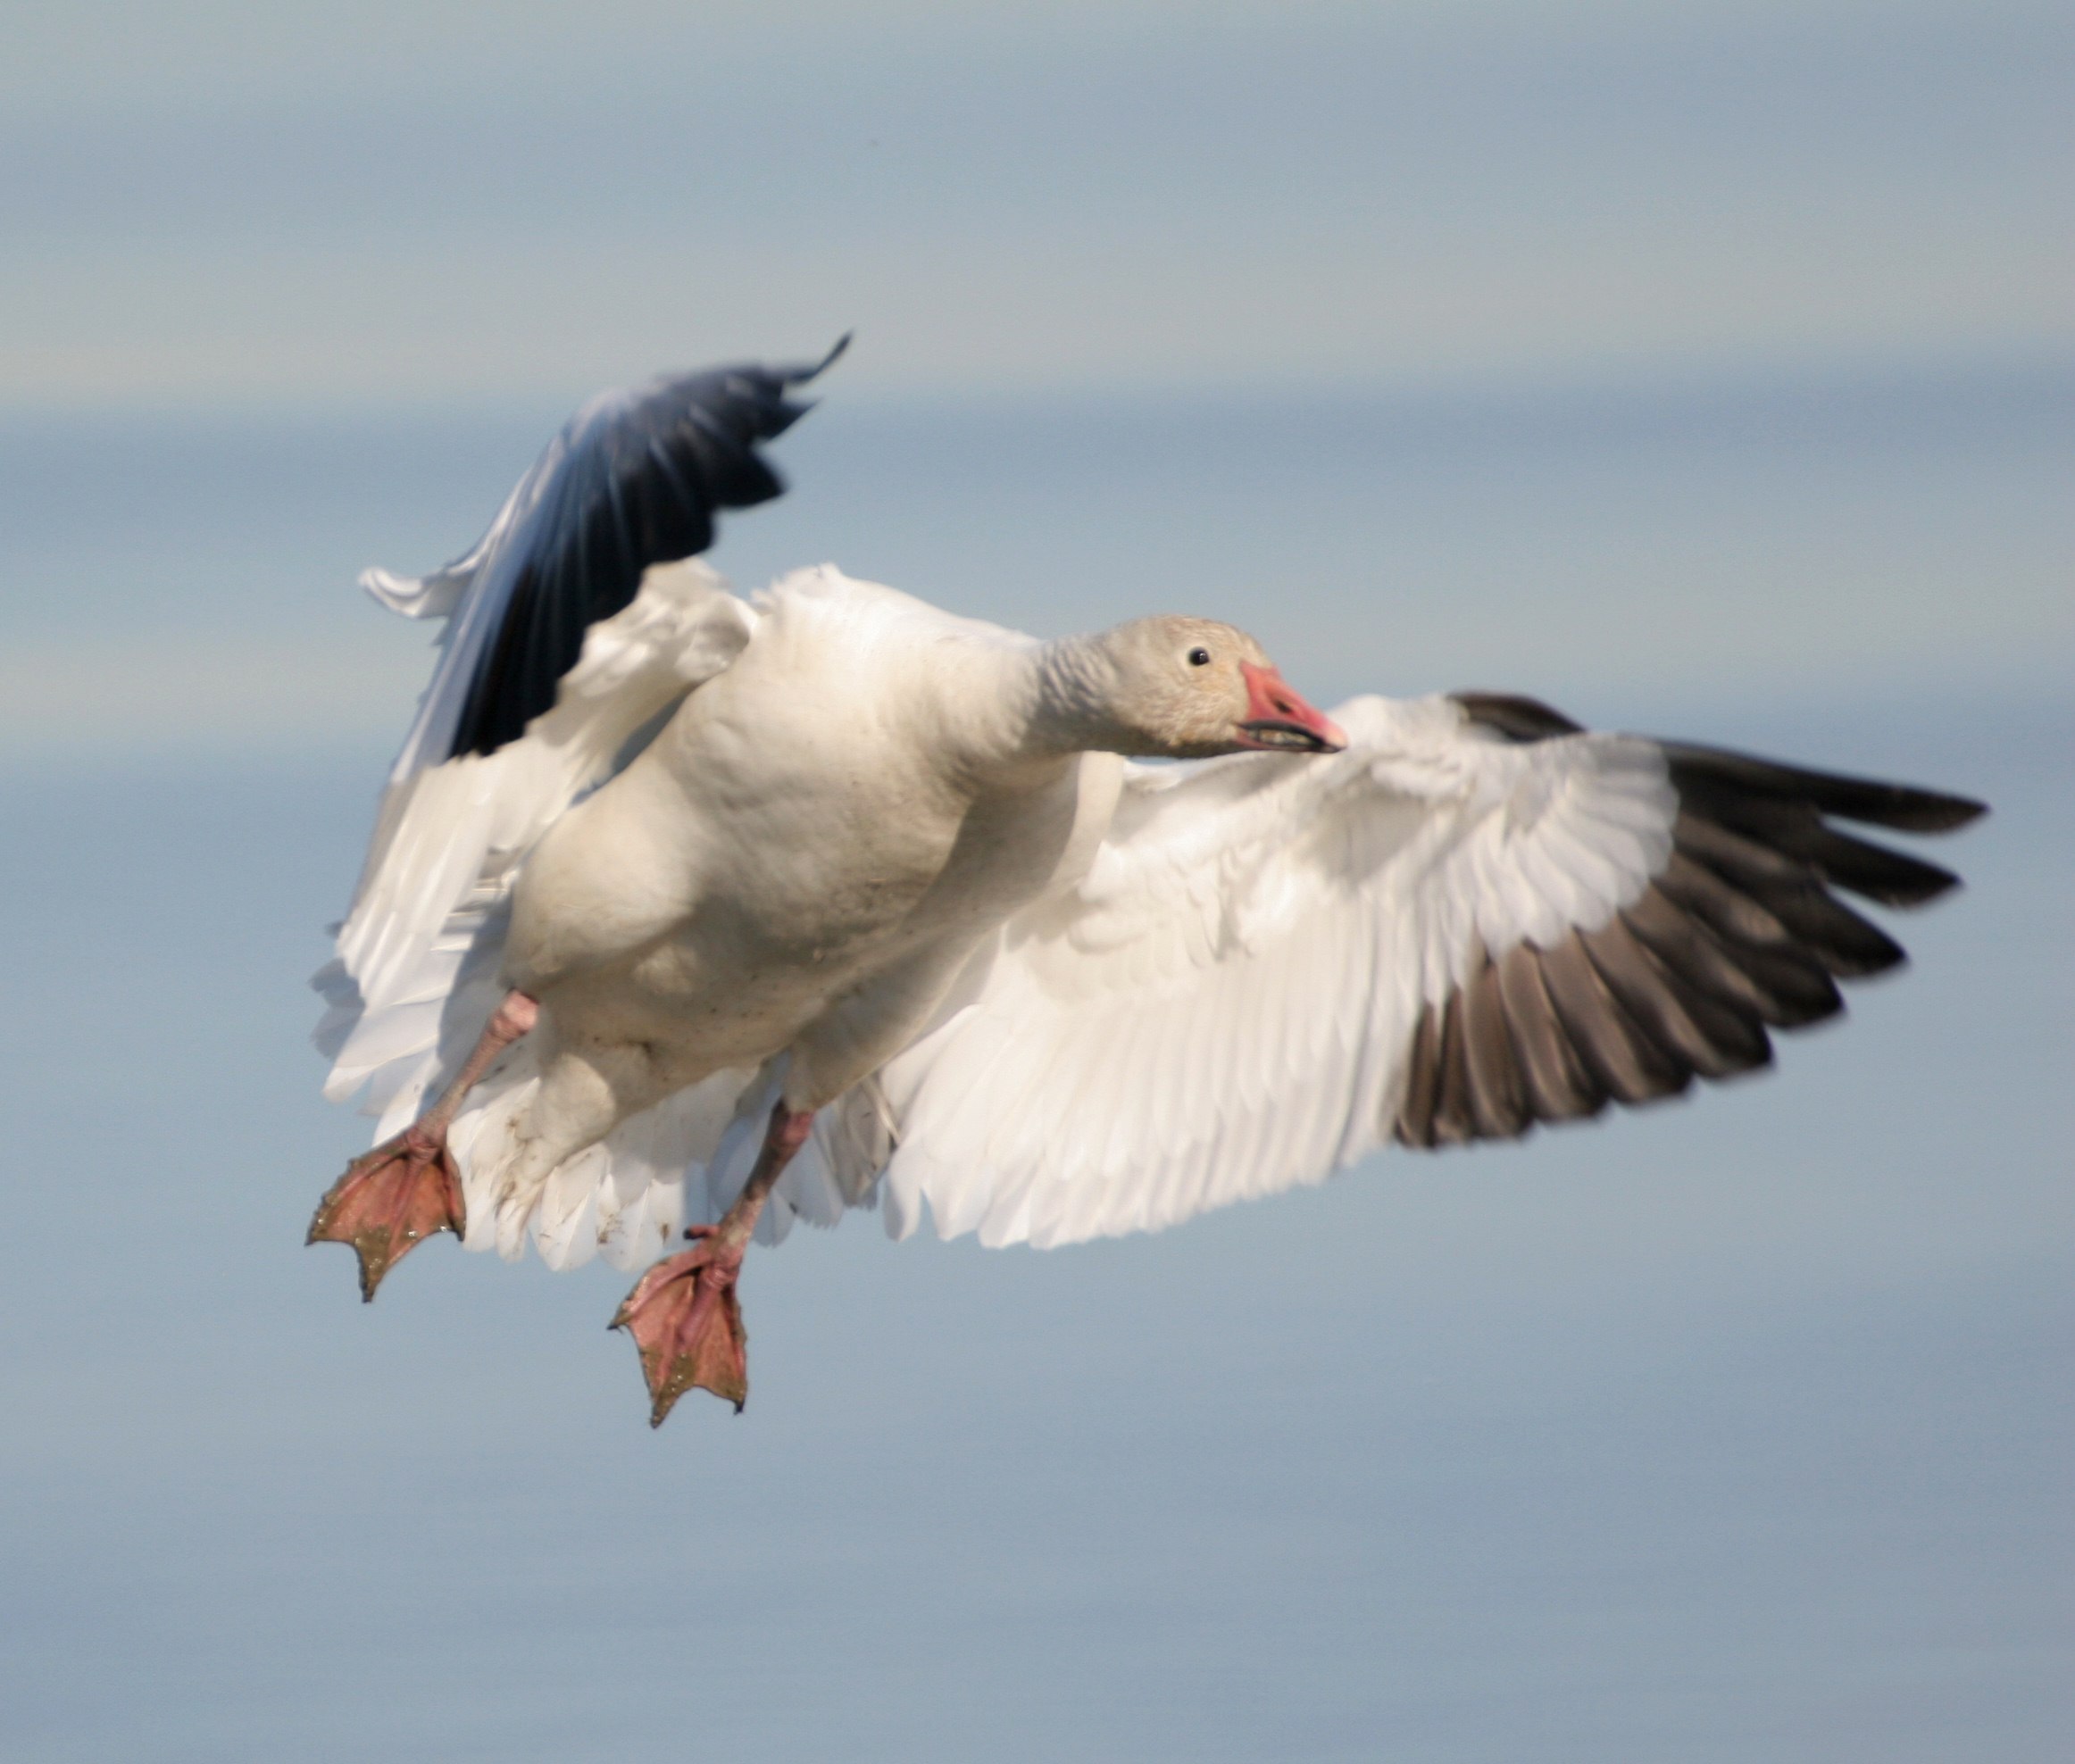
x=1475 y=917
x=634 y=478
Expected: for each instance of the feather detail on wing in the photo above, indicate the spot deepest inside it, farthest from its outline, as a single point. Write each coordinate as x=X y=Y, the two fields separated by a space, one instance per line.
x=1475 y=917
x=635 y=479
x=416 y=974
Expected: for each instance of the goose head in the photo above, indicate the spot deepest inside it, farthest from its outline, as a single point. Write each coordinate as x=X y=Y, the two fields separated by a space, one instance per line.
x=1188 y=688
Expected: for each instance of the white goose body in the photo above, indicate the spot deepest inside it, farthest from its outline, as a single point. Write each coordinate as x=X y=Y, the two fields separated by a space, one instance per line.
x=752 y=848
x=760 y=881
x=772 y=897
x=833 y=854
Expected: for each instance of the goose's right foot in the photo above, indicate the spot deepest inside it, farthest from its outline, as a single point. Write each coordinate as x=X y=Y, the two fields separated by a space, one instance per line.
x=406 y=1190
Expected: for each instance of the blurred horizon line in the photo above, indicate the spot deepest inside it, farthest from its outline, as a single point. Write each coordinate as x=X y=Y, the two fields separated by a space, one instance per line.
x=2045 y=363
x=1742 y=543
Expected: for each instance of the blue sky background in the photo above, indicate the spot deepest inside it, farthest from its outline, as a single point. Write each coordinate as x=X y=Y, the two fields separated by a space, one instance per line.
x=1706 y=370
x=383 y=203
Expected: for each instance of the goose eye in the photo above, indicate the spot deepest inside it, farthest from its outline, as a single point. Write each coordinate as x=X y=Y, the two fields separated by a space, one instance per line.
x=1199 y=658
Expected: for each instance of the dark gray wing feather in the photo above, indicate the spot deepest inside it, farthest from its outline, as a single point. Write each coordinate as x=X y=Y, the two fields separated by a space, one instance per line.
x=1740 y=933
x=635 y=479
x=639 y=479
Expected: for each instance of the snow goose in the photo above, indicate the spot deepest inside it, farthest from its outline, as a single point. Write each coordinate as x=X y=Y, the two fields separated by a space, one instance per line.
x=658 y=862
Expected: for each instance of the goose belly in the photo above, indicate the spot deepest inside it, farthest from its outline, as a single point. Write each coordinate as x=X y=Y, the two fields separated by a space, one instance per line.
x=719 y=928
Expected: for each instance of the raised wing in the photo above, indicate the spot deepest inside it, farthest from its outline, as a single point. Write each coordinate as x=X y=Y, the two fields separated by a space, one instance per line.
x=568 y=640
x=1476 y=918
x=634 y=478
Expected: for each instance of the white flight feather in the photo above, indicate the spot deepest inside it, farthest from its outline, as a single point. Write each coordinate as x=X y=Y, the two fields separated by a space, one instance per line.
x=1223 y=1007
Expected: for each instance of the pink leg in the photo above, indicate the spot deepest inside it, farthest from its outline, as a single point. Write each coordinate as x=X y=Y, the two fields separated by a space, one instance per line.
x=407 y=1188
x=683 y=1313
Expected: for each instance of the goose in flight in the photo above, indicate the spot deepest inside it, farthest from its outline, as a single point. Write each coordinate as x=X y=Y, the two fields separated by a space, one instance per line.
x=688 y=915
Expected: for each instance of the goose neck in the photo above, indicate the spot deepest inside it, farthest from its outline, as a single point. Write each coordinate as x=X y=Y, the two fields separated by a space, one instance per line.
x=1073 y=706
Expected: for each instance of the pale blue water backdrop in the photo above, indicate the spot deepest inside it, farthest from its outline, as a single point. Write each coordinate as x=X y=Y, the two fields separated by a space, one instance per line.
x=1736 y=1429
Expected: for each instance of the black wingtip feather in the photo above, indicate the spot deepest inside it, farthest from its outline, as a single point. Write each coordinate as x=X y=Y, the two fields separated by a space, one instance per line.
x=640 y=483
x=1514 y=716
x=1739 y=933
x=1906 y=808
x=801 y=376
x=1793 y=829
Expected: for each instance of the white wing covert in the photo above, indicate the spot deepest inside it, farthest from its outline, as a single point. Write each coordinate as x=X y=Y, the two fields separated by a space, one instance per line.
x=1476 y=917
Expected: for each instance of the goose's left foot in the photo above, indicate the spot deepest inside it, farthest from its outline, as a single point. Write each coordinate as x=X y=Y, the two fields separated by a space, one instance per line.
x=683 y=1313
x=687 y=1322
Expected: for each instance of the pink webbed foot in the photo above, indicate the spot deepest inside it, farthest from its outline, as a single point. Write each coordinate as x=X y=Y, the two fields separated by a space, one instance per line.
x=408 y=1187
x=683 y=1313
x=687 y=1322
x=403 y=1191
